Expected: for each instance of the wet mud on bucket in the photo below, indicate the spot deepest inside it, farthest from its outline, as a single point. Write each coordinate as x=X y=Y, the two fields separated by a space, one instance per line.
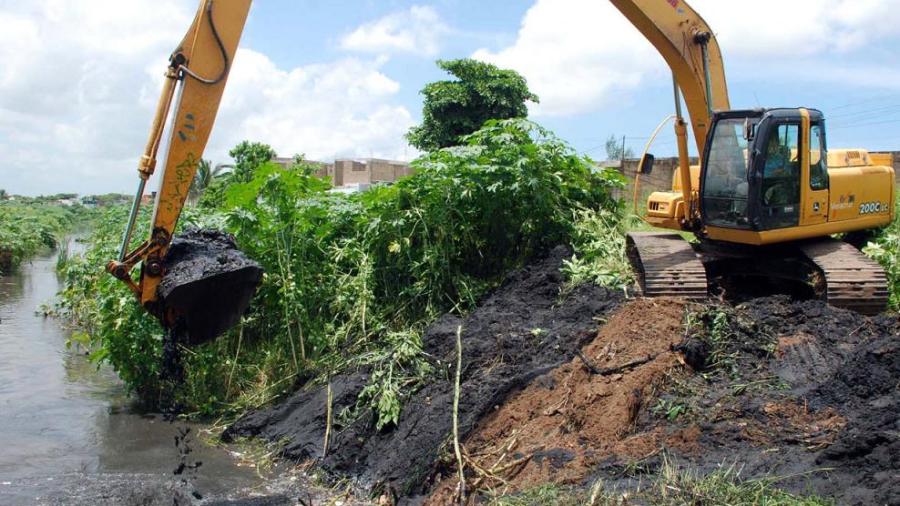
x=208 y=284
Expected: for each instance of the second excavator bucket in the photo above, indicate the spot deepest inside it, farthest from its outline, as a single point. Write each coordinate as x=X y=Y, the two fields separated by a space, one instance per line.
x=207 y=286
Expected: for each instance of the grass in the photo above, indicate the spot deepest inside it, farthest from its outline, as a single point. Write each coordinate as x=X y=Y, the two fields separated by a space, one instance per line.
x=670 y=485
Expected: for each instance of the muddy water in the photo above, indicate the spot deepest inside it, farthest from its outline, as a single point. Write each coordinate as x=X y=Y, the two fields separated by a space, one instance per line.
x=63 y=422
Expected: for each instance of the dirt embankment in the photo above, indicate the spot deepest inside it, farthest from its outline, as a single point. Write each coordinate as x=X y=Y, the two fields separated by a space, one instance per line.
x=523 y=330
x=820 y=410
x=796 y=390
x=564 y=424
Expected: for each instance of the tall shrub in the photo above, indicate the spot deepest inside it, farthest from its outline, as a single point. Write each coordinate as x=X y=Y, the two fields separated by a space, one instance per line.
x=352 y=280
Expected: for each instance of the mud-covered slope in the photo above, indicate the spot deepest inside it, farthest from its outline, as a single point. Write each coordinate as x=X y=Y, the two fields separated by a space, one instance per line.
x=562 y=425
x=796 y=391
x=818 y=411
x=521 y=331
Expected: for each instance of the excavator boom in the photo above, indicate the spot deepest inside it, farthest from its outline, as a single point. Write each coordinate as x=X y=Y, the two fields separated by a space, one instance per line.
x=690 y=49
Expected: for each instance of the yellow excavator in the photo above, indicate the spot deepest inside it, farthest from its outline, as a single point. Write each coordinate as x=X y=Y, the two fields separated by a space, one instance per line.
x=763 y=201
x=767 y=195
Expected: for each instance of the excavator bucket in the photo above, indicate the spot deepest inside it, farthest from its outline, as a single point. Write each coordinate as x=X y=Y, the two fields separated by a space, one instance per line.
x=207 y=286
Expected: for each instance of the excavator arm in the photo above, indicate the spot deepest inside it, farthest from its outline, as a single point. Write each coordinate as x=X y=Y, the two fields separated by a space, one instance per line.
x=195 y=81
x=690 y=49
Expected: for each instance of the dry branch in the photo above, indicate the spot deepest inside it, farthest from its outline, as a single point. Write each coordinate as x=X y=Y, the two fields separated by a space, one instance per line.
x=606 y=371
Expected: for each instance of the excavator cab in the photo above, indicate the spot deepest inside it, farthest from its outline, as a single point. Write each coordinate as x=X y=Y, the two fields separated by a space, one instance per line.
x=763 y=169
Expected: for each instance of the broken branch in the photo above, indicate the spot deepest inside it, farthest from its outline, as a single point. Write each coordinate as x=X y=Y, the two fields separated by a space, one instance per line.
x=606 y=371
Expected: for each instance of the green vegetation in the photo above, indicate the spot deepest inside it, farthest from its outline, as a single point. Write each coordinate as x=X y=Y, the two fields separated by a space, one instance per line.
x=885 y=248
x=727 y=334
x=600 y=254
x=351 y=281
x=670 y=485
x=453 y=109
x=27 y=225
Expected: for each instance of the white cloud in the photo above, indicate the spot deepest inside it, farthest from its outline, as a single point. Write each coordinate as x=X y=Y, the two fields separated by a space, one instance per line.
x=788 y=29
x=337 y=109
x=416 y=30
x=578 y=55
x=73 y=75
x=80 y=80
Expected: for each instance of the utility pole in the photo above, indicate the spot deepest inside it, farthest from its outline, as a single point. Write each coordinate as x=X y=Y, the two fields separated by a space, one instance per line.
x=622 y=156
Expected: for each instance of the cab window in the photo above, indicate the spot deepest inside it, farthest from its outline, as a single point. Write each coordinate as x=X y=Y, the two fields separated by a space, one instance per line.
x=725 y=186
x=818 y=159
x=780 y=192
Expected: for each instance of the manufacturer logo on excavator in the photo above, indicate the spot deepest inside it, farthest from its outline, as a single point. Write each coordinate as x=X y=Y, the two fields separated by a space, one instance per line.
x=673 y=3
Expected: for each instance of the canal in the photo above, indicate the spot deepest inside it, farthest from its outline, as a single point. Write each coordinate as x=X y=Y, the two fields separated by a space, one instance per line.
x=68 y=430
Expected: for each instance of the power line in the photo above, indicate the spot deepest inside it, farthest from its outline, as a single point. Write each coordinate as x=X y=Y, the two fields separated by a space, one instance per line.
x=866 y=101
x=855 y=125
x=866 y=111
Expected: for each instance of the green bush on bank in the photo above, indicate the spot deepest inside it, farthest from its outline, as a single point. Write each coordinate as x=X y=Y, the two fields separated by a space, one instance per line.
x=885 y=248
x=351 y=280
x=27 y=228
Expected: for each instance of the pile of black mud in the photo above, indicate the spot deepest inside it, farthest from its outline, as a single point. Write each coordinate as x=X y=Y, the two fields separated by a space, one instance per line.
x=208 y=283
x=818 y=411
x=519 y=332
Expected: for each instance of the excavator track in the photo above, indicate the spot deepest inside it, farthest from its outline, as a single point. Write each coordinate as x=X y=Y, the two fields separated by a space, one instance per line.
x=666 y=265
x=847 y=278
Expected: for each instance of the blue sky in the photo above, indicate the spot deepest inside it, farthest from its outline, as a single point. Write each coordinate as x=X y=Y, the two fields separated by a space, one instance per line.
x=342 y=79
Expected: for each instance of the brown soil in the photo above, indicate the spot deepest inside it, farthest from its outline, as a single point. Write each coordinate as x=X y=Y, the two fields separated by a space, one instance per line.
x=795 y=390
x=563 y=425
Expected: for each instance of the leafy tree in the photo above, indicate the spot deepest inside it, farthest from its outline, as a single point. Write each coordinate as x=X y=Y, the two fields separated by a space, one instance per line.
x=456 y=108
x=300 y=164
x=3 y=195
x=204 y=177
x=615 y=150
x=248 y=156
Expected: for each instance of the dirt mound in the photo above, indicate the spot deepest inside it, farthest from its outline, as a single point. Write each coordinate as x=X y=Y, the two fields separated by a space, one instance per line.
x=796 y=390
x=811 y=397
x=564 y=424
x=521 y=331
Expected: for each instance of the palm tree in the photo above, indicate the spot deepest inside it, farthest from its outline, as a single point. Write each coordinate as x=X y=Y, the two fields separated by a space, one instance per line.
x=204 y=177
